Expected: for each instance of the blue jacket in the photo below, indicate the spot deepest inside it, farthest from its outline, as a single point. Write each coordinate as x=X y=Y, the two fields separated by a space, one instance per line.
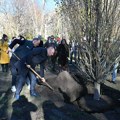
x=23 y=49
x=35 y=57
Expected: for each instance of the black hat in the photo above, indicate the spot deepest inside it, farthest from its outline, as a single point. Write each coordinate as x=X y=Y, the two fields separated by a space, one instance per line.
x=4 y=36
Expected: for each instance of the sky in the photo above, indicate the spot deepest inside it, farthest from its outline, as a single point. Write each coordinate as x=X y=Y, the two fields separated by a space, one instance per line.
x=49 y=6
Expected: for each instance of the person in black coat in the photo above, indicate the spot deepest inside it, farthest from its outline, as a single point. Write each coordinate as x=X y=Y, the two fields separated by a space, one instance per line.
x=63 y=54
x=36 y=56
x=25 y=46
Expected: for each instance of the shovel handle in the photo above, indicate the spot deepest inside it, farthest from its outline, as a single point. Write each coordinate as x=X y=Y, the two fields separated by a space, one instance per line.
x=40 y=77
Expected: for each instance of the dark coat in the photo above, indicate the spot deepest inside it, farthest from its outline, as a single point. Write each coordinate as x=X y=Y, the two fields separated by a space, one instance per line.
x=23 y=49
x=62 y=53
x=35 y=57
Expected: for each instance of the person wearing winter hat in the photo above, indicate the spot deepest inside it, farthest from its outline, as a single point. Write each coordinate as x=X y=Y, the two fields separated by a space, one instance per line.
x=4 y=57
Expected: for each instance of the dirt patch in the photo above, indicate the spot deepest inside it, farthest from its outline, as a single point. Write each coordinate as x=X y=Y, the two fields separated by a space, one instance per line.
x=65 y=87
x=59 y=105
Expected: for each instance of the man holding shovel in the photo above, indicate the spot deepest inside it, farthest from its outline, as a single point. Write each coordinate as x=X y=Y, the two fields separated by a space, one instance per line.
x=25 y=46
x=36 y=56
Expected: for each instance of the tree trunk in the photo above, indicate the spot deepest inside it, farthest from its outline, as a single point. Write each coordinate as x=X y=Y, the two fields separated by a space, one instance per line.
x=97 y=91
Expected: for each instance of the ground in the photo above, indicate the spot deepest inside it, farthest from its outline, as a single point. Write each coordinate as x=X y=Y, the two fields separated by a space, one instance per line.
x=52 y=106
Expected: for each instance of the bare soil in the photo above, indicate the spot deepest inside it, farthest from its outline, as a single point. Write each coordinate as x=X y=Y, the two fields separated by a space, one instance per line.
x=58 y=105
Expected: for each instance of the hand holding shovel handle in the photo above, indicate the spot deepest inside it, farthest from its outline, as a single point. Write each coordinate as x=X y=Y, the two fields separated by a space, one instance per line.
x=38 y=76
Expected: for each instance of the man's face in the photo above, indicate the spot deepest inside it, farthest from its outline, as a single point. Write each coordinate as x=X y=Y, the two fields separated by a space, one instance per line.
x=6 y=38
x=51 y=51
x=36 y=43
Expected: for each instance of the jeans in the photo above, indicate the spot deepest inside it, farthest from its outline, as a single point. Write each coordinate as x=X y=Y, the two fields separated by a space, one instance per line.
x=22 y=79
x=14 y=76
x=114 y=74
x=71 y=56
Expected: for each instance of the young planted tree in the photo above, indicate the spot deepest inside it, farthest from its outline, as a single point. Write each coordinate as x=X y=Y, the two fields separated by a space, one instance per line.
x=95 y=25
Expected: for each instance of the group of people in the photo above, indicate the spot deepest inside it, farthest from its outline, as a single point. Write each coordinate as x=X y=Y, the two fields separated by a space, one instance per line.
x=61 y=53
x=30 y=53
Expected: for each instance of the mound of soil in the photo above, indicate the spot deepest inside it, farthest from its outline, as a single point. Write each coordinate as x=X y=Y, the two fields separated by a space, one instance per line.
x=65 y=86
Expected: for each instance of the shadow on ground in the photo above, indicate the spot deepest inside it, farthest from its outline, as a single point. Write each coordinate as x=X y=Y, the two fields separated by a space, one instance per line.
x=66 y=112
x=22 y=109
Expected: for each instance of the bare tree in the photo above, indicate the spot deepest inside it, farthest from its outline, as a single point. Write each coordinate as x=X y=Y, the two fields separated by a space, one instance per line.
x=6 y=21
x=42 y=17
x=20 y=17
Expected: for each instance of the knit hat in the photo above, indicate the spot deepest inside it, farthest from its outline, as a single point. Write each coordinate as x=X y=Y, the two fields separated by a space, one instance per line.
x=4 y=36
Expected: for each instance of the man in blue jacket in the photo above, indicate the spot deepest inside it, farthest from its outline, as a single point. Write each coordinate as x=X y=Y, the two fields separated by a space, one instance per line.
x=36 y=56
x=25 y=46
